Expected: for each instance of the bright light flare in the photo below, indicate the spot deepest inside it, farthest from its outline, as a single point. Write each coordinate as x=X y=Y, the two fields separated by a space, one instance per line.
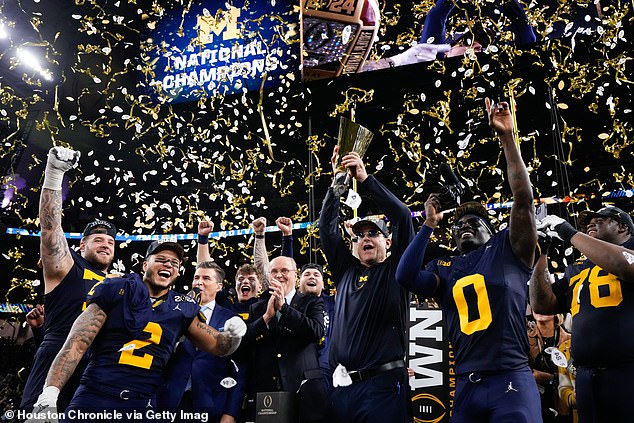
x=27 y=58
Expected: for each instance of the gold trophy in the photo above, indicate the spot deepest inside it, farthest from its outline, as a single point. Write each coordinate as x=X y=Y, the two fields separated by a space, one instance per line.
x=352 y=137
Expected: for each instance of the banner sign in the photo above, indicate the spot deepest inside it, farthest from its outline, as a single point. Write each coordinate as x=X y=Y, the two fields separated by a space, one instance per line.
x=15 y=308
x=430 y=356
x=211 y=48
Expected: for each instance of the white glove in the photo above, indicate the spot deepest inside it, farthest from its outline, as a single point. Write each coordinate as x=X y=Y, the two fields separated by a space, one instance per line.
x=235 y=328
x=60 y=159
x=421 y=52
x=548 y=225
x=45 y=407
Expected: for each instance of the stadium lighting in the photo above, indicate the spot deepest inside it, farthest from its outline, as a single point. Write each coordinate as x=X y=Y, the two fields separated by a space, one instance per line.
x=28 y=59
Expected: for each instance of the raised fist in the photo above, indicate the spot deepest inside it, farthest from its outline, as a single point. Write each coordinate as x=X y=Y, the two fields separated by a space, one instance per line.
x=259 y=225
x=205 y=227
x=285 y=225
x=62 y=158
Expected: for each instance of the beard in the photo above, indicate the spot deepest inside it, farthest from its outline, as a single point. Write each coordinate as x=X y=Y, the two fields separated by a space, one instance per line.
x=98 y=261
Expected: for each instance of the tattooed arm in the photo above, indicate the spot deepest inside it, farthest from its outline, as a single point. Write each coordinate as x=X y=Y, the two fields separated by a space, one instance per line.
x=209 y=339
x=81 y=336
x=54 y=251
x=260 y=256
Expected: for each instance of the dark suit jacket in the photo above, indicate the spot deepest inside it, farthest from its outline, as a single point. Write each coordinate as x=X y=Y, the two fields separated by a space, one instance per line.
x=206 y=371
x=283 y=356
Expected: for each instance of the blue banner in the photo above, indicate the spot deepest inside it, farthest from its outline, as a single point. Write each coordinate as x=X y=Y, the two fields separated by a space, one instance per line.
x=212 y=48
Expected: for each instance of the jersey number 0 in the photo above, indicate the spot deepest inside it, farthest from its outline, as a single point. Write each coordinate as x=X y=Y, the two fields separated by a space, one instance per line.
x=482 y=303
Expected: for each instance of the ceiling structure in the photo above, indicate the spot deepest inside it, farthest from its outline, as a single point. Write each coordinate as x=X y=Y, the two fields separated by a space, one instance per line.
x=158 y=168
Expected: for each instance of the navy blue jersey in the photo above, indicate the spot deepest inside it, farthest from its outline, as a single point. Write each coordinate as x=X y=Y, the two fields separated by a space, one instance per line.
x=484 y=295
x=323 y=353
x=226 y=300
x=64 y=303
x=602 y=308
x=124 y=360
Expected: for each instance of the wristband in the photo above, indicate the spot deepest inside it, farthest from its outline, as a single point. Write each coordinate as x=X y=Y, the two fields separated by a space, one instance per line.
x=51 y=391
x=53 y=178
x=565 y=231
x=203 y=239
x=259 y=236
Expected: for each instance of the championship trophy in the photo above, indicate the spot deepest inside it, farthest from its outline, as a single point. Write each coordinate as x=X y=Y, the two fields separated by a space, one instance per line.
x=352 y=137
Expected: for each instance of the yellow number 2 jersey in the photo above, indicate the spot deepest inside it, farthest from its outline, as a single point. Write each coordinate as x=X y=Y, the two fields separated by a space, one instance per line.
x=134 y=345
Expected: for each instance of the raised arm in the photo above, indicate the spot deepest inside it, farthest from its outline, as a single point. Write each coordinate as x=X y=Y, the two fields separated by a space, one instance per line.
x=217 y=343
x=540 y=291
x=610 y=257
x=54 y=252
x=399 y=214
x=205 y=227
x=285 y=225
x=348 y=227
x=260 y=256
x=332 y=243
x=522 y=231
x=408 y=272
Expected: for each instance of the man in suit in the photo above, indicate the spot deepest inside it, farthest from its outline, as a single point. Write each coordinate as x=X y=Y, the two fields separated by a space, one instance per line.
x=196 y=380
x=283 y=331
x=249 y=280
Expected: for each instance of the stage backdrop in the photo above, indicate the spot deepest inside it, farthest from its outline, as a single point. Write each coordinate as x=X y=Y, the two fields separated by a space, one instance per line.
x=215 y=48
x=430 y=356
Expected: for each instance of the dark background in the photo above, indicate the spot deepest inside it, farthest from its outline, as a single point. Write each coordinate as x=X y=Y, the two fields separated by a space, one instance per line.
x=157 y=168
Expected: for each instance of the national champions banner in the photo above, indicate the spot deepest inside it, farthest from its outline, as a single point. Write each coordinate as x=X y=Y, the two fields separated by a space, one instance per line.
x=211 y=48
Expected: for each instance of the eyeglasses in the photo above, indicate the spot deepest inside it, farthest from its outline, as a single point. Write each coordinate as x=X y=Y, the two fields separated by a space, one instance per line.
x=162 y=260
x=370 y=234
x=473 y=222
x=284 y=272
